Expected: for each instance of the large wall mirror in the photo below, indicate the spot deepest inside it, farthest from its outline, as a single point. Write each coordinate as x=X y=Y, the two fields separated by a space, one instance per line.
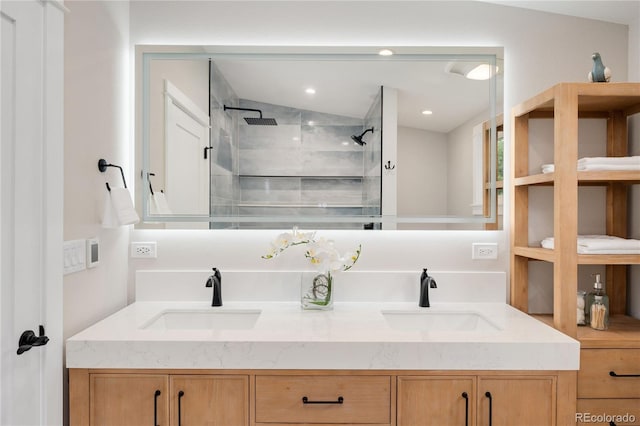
x=266 y=137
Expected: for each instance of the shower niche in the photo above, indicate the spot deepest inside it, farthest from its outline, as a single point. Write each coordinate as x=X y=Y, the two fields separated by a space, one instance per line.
x=244 y=145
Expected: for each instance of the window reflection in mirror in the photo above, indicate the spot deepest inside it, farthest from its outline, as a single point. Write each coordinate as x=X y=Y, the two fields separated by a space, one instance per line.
x=324 y=141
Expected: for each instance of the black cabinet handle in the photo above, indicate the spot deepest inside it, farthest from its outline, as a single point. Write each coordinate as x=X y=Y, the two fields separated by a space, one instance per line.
x=155 y=407
x=180 y=395
x=614 y=374
x=466 y=408
x=305 y=400
x=488 y=395
x=28 y=339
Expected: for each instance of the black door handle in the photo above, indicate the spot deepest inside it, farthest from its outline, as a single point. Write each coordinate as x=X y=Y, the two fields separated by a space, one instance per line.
x=155 y=407
x=488 y=395
x=466 y=408
x=28 y=339
x=180 y=395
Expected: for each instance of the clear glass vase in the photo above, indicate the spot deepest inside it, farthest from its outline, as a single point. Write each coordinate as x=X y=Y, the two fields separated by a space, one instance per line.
x=317 y=291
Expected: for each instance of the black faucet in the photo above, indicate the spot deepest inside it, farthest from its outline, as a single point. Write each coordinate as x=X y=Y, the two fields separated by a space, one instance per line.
x=215 y=281
x=426 y=282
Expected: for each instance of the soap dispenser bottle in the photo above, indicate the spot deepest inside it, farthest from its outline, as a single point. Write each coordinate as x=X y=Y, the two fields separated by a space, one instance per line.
x=597 y=308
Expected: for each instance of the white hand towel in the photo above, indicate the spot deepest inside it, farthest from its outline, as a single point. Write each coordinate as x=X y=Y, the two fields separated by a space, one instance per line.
x=109 y=218
x=158 y=204
x=123 y=206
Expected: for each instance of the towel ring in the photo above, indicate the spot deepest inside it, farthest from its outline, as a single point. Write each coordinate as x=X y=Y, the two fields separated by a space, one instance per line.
x=102 y=166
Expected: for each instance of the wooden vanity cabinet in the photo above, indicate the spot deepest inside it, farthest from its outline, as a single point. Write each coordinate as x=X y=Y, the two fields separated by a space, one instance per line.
x=209 y=400
x=143 y=397
x=436 y=401
x=522 y=401
x=128 y=399
x=275 y=397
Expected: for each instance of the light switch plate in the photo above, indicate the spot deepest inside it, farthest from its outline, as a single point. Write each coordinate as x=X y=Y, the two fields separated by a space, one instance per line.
x=74 y=256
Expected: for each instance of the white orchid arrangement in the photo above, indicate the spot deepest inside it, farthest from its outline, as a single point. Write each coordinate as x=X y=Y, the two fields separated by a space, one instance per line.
x=321 y=252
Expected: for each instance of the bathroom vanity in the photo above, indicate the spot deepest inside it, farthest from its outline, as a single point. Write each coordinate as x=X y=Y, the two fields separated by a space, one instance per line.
x=252 y=363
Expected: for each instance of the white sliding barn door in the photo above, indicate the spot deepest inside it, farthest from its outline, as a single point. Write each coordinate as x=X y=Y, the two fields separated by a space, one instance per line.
x=31 y=182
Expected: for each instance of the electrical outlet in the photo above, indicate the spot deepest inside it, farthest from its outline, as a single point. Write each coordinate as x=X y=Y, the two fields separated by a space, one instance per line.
x=144 y=250
x=484 y=251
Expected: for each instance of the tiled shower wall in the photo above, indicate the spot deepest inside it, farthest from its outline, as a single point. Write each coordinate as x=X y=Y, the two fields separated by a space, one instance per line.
x=306 y=165
x=224 y=153
x=372 y=183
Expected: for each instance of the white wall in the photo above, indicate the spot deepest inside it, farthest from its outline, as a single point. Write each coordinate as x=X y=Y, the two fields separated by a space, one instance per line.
x=97 y=125
x=422 y=172
x=536 y=57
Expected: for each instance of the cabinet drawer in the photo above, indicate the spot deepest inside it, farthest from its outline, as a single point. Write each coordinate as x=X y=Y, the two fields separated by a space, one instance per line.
x=604 y=411
x=365 y=399
x=595 y=380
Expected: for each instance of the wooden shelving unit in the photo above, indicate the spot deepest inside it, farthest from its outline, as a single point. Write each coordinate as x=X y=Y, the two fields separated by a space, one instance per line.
x=602 y=352
x=565 y=104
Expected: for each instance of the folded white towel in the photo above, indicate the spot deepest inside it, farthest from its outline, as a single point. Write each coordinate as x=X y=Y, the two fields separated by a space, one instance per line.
x=158 y=204
x=610 y=160
x=123 y=206
x=602 y=163
x=600 y=244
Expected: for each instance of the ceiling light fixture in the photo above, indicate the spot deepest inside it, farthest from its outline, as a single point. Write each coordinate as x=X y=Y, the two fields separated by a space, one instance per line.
x=472 y=70
x=427 y=112
x=310 y=91
x=385 y=52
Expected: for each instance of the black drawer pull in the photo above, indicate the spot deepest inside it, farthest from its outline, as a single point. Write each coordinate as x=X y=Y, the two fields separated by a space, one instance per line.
x=614 y=374
x=305 y=400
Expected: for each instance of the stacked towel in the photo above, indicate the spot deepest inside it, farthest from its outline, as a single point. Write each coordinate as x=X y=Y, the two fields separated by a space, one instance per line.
x=600 y=244
x=609 y=163
x=602 y=163
x=158 y=204
x=118 y=209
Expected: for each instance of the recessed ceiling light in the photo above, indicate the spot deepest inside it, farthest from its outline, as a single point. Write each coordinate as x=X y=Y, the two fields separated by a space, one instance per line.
x=427 y=112
x=310 y=90
x=385 y=52
x=481 y=72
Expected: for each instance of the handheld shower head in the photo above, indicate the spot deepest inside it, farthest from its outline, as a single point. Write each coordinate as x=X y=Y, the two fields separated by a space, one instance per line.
x=358 y=138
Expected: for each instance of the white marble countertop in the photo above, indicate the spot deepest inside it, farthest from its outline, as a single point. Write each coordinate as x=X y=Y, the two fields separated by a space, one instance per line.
x=351 y=336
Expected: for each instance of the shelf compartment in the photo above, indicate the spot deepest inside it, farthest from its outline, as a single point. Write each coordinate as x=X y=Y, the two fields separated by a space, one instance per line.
x=584 y=178
x=548 y=255
x=623 y=332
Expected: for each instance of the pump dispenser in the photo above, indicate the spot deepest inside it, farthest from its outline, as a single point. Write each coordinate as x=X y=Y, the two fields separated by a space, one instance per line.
x=597 y=308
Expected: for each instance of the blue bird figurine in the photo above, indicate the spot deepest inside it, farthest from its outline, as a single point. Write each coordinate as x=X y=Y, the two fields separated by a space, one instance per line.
x=599 y=73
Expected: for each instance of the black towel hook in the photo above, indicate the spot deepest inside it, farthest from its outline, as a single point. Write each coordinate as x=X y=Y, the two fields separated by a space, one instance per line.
x=388 y=166
x=102 y=166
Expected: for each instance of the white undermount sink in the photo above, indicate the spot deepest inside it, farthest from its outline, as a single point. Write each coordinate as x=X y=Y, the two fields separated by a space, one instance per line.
x=201 y=319
x=437 y=321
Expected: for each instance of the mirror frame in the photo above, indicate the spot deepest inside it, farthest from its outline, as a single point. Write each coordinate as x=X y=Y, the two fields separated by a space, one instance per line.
x=146 y=53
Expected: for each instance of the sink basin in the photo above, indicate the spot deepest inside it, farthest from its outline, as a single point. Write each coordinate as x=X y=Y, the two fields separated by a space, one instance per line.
x=437 y=321
x=201 y=319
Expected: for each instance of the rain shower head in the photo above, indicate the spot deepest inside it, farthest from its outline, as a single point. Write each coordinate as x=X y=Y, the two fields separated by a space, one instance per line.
x=358 y=138
x=255 y=121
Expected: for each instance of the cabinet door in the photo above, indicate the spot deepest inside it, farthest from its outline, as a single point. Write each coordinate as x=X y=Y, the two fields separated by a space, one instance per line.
x=211 y=400
x=522 y=401
x=438 y=401
x=129 y=400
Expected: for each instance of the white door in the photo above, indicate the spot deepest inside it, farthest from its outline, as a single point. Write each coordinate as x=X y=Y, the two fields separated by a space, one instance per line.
x=31 y=182
x=187 y=169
